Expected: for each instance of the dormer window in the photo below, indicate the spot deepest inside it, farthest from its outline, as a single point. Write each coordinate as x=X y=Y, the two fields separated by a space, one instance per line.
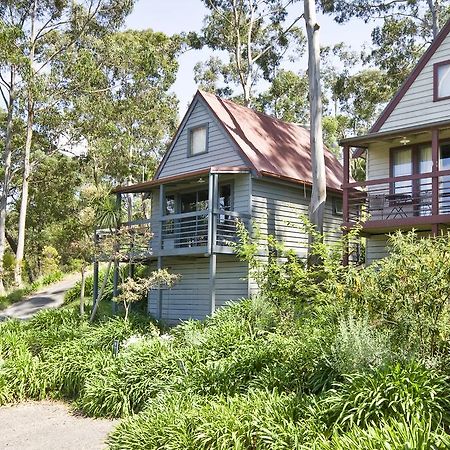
x=198 y=140
x=442 y=81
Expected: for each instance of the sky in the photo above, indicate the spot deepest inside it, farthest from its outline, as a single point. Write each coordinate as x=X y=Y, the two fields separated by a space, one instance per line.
x=175 y=16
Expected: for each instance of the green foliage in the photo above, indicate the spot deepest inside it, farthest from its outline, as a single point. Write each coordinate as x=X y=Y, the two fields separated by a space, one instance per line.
x=324 y=368
x=261 y=419
x=407 y=292
x=358 y=347
x=387 y=435
x=398 y=391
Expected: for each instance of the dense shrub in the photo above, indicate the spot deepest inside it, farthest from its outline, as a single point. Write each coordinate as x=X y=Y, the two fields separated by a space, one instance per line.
x=261 y=419
x=353 y=361
x=387 y=435
x=398 y=391
x=406 y=292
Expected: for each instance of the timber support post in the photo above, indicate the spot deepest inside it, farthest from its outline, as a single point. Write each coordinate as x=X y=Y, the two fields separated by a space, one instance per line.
x=160 y=292
x=95 y=274
x=212 y=236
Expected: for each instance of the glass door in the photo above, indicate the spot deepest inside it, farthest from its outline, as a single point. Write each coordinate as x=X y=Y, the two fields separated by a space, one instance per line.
x=402 y=165
x=194 y=229
x=423 y=197
x=444 y=182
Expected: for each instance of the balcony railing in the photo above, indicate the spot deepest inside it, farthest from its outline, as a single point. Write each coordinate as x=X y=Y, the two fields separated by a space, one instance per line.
x=405 y=200
x=186 y=233
x=200 y=229
x=132 y=241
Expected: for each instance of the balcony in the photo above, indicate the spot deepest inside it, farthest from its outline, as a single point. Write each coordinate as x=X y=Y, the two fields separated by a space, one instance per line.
x=411 y=201
x=198 y=232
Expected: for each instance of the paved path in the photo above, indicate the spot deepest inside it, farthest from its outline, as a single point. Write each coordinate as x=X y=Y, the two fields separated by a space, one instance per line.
x=50 y=426
x=50 y=297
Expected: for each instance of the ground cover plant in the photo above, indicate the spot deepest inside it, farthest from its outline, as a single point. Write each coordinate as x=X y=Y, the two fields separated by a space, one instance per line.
x=359 y=361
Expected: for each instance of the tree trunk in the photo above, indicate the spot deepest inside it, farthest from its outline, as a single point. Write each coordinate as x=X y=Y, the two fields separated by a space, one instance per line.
x=7 y=176
x=24 y=199
x=434 y=6
x=27 y=160
x=319 y=193
x=100 y=294
x=82 y=289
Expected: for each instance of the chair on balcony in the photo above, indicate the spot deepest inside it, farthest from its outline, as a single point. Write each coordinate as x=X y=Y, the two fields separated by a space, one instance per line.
x=425 y=203
x=376 y=203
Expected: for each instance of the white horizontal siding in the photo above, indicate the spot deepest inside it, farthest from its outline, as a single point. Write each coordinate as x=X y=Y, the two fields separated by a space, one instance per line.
x=417 y=106
x=221 y=150
x=231 y=279
x=190 y=297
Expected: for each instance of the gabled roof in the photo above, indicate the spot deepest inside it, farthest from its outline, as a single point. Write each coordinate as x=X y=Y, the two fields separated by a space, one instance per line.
x=268 y=146
x=412 y=77
x=272 y=147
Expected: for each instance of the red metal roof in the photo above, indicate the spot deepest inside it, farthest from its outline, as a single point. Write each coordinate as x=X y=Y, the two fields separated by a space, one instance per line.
x=271 y=146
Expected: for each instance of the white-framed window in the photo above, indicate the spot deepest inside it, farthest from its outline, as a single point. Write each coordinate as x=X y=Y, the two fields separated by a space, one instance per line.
x=442 y=80
x=337 y=206
x=198 y=140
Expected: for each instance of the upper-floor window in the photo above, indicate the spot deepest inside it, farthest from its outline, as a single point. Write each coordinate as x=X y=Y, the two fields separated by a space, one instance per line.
x=442 y=80
x=198 y=140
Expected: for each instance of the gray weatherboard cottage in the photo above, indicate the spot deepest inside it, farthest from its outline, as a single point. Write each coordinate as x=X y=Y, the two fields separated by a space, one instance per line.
x=226 y=162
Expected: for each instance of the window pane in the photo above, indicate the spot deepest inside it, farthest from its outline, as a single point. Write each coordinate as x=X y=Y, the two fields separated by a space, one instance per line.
x=402 y=165
x=443 y=75
x=170 y=204
x=198 y=140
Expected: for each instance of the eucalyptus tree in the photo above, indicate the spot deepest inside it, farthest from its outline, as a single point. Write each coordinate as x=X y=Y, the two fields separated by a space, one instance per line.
x=121 y=103
x=286 y=98
x=319 y=188
x=403 y=30
x=44 y=30
x=255 y=36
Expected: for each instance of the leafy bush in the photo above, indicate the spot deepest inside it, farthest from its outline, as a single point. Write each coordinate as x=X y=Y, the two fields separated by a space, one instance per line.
x=406 y=292
x=387 y=435
x=358 y=346
x=261 y=419
x=398 y=391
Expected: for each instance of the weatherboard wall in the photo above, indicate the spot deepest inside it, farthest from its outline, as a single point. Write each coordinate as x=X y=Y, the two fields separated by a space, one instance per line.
x=417 y=106
x=221 y=149
x=277 y=209
x=190 y=297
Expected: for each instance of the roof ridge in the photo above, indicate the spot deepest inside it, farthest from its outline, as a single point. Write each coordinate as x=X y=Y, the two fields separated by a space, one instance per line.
x=253 y=110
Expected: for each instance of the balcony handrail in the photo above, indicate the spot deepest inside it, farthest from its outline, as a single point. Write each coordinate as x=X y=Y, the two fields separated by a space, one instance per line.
x=136 y=222
x=416 y=176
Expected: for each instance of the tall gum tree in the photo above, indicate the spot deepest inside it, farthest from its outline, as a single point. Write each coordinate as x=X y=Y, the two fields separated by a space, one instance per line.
x=319 y=193
x=48 y=29
x=255 y=36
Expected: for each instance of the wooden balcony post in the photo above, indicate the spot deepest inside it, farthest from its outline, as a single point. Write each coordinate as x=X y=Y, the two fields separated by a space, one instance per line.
x=162 y=212
x=213 y=181
x=95 y=274
x=435 y=170
x=160 y=292
x=345 y=207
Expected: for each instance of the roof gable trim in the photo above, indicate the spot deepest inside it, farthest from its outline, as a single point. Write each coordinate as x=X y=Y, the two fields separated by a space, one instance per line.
x=412 y=77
